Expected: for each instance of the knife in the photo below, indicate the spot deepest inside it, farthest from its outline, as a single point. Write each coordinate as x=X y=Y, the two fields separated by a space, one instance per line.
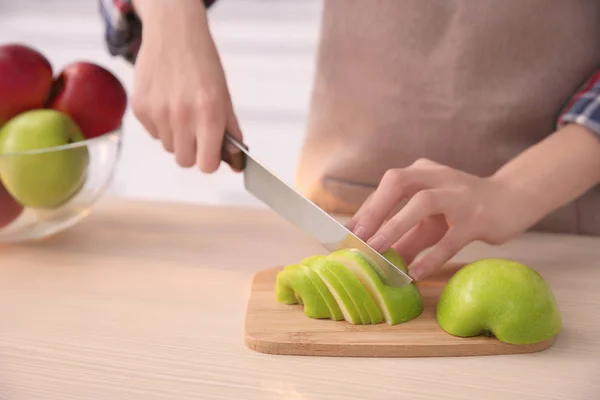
x=300 y=211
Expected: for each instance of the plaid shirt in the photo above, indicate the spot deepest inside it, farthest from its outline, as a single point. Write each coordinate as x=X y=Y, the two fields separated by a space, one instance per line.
x=123 y=31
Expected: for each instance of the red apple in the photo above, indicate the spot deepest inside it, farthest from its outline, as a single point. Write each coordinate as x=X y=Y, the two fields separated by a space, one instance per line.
x=9 y=208
x=25 y=80
x=91 y=95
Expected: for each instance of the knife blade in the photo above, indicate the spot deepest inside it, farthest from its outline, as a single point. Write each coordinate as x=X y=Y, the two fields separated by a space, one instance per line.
x=261 y=182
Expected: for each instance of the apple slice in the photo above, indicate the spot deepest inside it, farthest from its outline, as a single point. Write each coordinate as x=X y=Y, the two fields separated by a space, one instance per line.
x=348 y=289
x=283 y=290
x=293 y=286
x=334 y=308
x=397 y=304
x=337 y=290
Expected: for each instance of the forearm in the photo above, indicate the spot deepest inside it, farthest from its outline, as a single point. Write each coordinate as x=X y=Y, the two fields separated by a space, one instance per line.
x=553 y=172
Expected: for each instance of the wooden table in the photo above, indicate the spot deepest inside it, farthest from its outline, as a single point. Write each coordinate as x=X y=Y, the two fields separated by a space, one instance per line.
x=146 y=301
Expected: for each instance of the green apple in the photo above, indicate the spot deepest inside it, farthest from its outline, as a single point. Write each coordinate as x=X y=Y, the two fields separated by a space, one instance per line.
x=397 y=304
x=347 y=283
x=334 y=308
x=42 y=179
x=321 y=297
x=501 y=298
x=293 y=286
x=284 y=292
x=358 y=295
x=350 y=310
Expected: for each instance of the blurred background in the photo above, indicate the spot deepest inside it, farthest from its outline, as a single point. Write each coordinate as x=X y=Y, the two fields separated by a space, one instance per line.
x=268 y=49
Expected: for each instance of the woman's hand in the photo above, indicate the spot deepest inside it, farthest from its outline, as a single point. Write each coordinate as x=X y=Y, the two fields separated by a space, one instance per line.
x=446 y=210
x=180 y=93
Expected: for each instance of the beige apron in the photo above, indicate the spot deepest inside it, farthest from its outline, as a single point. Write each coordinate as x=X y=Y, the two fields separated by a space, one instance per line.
x=466 y=83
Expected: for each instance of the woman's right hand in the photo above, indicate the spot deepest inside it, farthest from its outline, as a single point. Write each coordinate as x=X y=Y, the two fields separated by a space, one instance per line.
x=180 y=93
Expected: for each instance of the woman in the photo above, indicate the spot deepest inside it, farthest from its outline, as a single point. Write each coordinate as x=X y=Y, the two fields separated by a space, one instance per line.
x=433 y=123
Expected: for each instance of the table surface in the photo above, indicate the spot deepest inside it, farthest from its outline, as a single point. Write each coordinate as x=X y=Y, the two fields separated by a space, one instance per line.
x=146 y=300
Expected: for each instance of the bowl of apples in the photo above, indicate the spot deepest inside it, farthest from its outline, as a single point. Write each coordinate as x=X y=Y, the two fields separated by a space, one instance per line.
x=60 y=141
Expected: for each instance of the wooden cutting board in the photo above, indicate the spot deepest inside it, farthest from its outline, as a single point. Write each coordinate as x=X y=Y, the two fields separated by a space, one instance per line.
x=275 y=328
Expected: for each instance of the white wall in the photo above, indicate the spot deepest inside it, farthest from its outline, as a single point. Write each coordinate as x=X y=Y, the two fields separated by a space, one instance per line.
x=268 y=49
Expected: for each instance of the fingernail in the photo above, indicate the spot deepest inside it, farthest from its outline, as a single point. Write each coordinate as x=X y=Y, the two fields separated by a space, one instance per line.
x=416 y=273
x=376 y=242
x=360 y=231
x=350 y=224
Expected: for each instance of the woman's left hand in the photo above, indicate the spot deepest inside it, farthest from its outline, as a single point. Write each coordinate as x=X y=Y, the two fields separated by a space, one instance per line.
x=446 y=210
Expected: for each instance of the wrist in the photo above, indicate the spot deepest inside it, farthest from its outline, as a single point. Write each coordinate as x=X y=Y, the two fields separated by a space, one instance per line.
x=551 y=173
x=163 y=13
x=518 y=206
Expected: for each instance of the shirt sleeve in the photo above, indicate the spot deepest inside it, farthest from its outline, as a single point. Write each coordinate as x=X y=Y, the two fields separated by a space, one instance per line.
x=584 y=107
x=123 y=28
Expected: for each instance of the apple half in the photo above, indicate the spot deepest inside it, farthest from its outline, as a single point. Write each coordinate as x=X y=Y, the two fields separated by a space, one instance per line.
x=344 y=285
x=500 y=298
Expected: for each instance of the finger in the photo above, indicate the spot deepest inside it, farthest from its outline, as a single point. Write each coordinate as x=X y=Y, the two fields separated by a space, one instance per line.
x=353 y=221
x=141 y=112
x=148 y=125
x=161 y=120
x=425 y=234
x=351 y=224
x=184 y=139
x=166 y=137
x=422 y=205
x=209 y=139
x=452 y=242
x=394 y=187
x=140 y=104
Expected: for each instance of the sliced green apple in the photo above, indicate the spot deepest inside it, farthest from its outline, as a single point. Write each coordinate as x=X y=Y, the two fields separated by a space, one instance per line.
x=334 y=308
x=397 y=304
x=283 y=289
x=338 y=291
x=293 y=286
x=349 y=289
x=360 y=296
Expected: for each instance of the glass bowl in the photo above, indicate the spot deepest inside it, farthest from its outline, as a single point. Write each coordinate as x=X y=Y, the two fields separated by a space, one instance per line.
x=43 y=192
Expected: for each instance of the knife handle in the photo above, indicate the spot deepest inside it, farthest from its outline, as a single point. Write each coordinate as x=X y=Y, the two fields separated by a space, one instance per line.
x=232 y=154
